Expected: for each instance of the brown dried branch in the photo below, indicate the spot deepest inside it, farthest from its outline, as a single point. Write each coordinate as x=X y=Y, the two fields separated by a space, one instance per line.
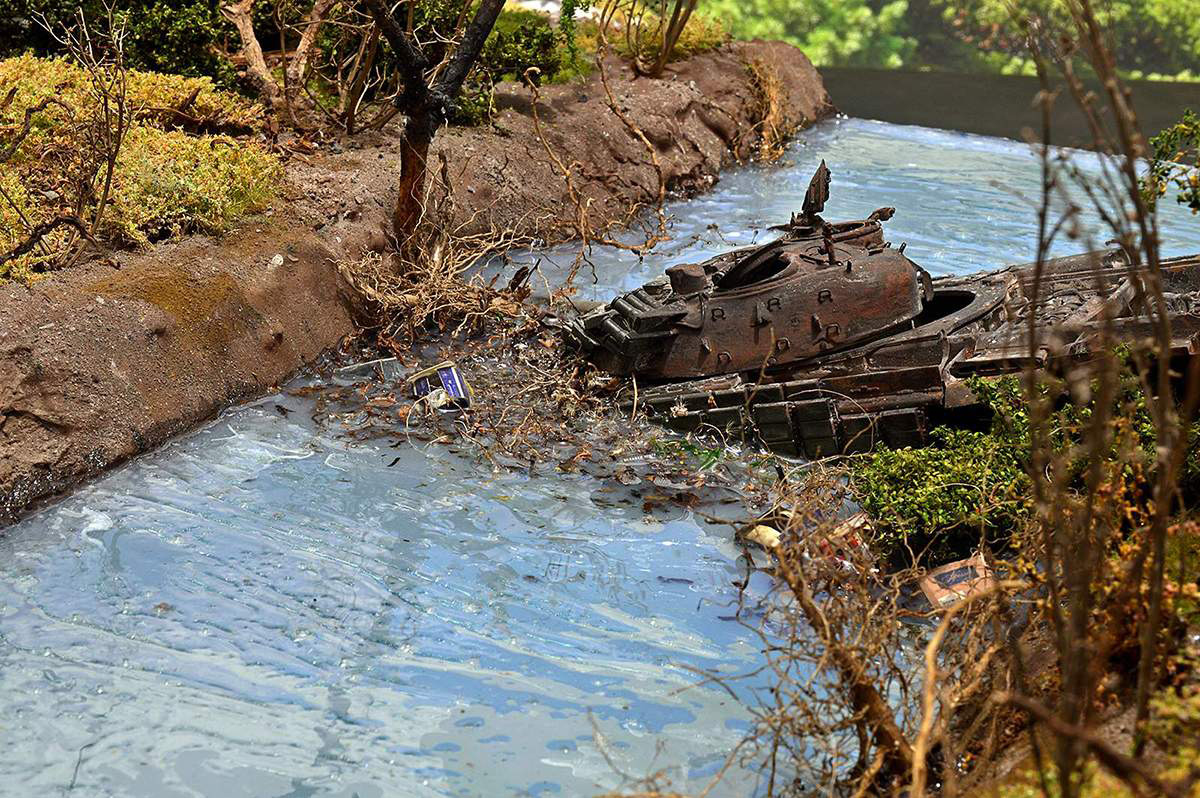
x=40 y=231
x=240 y=13
x=297 y=67
x=10 y=149
x=1127 y=768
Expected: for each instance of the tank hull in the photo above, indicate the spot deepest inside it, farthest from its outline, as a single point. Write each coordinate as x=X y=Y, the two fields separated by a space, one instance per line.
x=895 y=387
x=893 y=390
x=828 y=341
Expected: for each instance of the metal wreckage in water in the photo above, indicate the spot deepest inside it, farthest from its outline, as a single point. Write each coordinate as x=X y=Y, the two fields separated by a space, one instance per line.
x=829 y=340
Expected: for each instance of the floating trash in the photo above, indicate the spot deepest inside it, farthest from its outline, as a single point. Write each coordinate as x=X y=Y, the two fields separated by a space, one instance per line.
x=443 y=387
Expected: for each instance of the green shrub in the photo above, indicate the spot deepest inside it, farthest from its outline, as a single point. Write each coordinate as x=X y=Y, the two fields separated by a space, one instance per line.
x=166 y=182
x=1147 y=36
x=521 y=39
x=1175 y=162
x=178 y=36
x=568 y=30
x=966 y=484
x=946 y=497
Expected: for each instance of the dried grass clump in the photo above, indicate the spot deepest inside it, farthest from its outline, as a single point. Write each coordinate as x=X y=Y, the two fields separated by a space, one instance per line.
x=774 y=127
x=427 y=288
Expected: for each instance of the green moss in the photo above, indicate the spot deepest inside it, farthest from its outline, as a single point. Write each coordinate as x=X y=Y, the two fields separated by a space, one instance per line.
x=152 y=90
x=170 y=183
x=37 y=79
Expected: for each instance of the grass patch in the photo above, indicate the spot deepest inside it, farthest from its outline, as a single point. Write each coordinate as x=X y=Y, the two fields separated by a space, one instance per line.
x=638 y=33
x=170 y=183
x=150 y=94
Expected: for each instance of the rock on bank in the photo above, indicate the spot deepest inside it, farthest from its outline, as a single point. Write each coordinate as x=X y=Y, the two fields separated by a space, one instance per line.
x=104 y=361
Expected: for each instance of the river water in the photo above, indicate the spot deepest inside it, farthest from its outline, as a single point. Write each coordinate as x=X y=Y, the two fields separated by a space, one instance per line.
x=266 y=608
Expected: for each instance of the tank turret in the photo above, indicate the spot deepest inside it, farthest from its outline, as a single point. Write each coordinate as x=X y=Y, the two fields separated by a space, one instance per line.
x=817 y=288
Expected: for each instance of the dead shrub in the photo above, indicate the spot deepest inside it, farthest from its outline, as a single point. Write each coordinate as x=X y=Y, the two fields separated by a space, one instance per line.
x=773 y=128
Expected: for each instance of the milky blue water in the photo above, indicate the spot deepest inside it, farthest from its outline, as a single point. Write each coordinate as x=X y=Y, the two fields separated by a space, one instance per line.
x=266 y=608
x=964 y=203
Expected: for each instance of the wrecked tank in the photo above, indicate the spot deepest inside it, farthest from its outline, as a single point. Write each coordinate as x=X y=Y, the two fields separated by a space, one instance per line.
x=828 y=340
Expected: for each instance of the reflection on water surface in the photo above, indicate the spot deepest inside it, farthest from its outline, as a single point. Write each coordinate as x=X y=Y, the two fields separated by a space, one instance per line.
x=262 y=608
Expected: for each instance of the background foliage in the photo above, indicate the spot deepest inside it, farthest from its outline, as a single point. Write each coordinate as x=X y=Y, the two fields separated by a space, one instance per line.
x=177 y=36
x=1151 y=38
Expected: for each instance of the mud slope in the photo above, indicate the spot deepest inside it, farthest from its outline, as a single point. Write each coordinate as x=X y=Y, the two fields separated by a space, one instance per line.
x=104 y=361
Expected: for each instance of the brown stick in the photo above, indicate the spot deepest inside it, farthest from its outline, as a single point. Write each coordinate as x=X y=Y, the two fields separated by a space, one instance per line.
x=8 y=151
x=41 y=231
x=239 y=13
x=1120 y=765
x=865 y=699
x=297 y=68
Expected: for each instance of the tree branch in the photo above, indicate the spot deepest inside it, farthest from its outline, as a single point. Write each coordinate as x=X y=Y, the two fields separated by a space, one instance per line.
x=239 y=13
x=41 y=231
x=10 y=150
x=412 y=61
x=1121 y=765
x=298 y=65
x=468 y=48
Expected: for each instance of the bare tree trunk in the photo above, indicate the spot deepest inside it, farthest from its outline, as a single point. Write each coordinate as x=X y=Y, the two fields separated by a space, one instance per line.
x=426 y=105
x=414 y=168
x=297 y=68
x=239 y=13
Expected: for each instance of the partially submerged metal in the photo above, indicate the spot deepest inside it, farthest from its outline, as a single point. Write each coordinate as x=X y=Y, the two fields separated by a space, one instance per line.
x=828 y=340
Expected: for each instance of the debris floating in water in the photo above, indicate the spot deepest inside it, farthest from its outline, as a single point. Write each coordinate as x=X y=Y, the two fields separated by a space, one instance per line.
x=451 y=393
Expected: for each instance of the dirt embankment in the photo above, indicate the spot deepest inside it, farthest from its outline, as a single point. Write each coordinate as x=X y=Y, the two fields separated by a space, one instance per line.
x=101 y=362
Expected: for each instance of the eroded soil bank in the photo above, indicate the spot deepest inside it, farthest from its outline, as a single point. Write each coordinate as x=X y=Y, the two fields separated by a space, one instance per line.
x=101 y=362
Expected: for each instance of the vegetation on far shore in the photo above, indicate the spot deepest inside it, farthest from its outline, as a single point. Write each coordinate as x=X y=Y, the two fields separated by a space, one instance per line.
x=1150 y=38
x=189 y=149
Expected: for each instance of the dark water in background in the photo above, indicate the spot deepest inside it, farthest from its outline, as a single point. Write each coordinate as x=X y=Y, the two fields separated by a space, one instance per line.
x=990 y=105
x=262 y=608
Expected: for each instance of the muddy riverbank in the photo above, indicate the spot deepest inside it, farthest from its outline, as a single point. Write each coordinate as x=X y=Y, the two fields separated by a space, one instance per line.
x=104 y=361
